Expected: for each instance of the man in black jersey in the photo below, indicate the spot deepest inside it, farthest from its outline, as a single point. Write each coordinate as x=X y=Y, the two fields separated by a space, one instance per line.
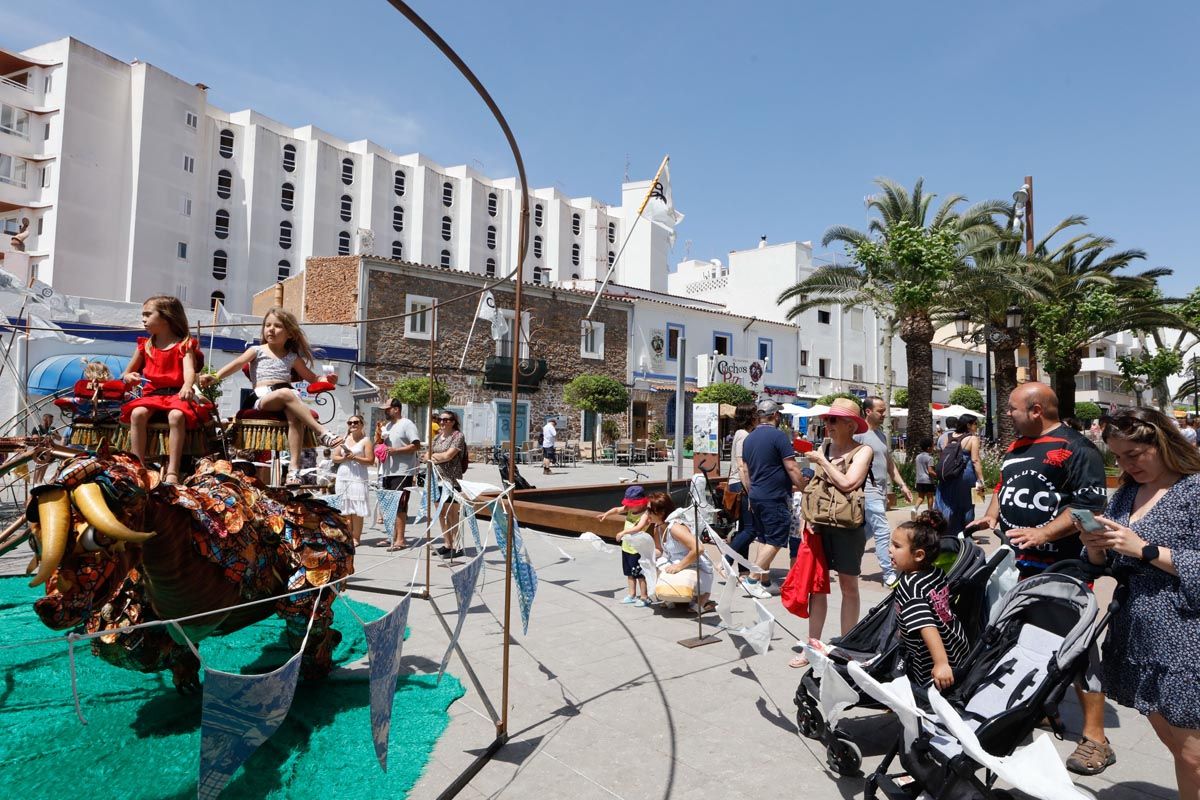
x=1050 y=470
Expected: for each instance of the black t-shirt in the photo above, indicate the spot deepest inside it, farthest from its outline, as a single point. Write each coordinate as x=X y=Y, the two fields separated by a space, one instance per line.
x=1042 y=476
x=923 y=601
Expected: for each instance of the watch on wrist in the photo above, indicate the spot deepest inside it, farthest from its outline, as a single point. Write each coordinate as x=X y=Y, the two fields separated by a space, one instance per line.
x=1149 y=553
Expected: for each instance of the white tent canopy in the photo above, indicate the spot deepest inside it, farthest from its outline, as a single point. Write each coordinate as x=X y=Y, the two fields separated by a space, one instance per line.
x=793 y=410
x=956 y=411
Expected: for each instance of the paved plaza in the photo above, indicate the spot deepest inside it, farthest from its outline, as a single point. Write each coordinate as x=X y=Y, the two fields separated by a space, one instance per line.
x=605 y=704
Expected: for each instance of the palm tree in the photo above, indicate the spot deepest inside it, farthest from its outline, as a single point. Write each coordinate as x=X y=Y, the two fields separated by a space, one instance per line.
x=905 y=263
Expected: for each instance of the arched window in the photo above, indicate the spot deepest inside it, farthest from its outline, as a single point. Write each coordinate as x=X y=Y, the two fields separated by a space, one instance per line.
x=283 y=270
x=447 y=194
x=445 y=258
x=220 y=265
x=398 y=181
x=397 y=219
x=491 y=237
x=285 y=235
x=224 y=184
x=537 y=247
x=347 y=171
x=347 y=208
x=493 y=203
x=221 y=224
x=490 y=268
x=612 y=257
x=289 y=158
x=225 y=144
x=214 y=298
x=576 y=224
x=447 y=228
x=344 y=243
x=537 y=215
x=575 y=255
x=612 y=232
x=397 y=250
x=287 y=197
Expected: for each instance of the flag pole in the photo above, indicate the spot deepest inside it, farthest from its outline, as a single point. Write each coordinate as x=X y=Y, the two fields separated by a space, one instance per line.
x=628 y=235
x=471 y=332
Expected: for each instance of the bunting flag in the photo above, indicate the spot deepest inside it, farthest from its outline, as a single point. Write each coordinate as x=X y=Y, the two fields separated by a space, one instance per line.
x=45 y=294
x=466 y=513
x=385 y=644
x=759 y=634
x=596 y=542
x=439 y=497
x=239 y=713
x=42 y=328
x=644 y=544
x=836 y=694
x=13 y=285
x=389 y=507
x=523 y=571
x=729 y=592
x=464 y=589
x=660 y=204
x=334 y=501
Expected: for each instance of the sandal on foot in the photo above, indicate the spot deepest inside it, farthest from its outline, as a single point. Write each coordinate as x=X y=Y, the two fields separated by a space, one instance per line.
x=292 y=481
x=799 y=662
x=1091 y=757
x=330 y=439
x=171 y=478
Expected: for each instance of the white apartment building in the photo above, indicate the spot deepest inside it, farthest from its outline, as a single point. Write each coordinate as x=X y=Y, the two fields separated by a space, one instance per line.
x=136 y=185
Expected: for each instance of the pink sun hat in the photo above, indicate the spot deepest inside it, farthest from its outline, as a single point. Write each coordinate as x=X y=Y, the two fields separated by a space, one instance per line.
x=847 y=408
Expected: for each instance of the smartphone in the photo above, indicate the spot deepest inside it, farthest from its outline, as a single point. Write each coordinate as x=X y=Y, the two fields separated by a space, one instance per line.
x=1086 y=520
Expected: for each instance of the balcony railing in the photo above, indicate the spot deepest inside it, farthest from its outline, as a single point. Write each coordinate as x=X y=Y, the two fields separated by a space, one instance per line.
x=497 y=373
x=975 y=381
x=23 y=87
x=939 y=380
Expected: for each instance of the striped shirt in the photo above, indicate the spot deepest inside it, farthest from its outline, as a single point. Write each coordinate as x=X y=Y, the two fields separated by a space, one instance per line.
x=923 y=601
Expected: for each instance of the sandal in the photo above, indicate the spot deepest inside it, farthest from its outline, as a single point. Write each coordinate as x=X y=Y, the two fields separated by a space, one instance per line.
x=330 y=439
x=1091 y=757
x=799 y=662
x=709 y=607
x=292 y=481
x=171 y=478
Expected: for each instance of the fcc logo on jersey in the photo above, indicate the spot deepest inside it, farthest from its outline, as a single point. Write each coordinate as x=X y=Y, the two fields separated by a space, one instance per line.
x=1028 y=499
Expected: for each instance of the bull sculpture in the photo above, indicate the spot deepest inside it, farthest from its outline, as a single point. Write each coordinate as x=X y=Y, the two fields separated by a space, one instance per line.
x=115 y=547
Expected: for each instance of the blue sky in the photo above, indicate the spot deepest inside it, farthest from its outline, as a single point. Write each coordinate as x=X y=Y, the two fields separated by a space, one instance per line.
x=777 y=115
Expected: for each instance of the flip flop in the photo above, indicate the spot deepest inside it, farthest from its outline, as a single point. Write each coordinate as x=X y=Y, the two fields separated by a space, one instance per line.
x=799 y=662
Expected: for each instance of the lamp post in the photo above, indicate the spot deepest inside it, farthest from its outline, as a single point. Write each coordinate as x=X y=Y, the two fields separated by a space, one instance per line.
x=1023 y=217
x=991 y=335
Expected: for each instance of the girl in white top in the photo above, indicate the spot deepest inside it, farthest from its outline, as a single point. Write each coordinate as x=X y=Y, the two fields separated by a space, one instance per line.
x=679 y=546
x=284 y=350
x=353 y=456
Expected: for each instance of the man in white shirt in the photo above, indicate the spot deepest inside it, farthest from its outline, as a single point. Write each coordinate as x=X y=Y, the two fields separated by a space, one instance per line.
x=1188 y=431
x=549 y=438
x=398 y=470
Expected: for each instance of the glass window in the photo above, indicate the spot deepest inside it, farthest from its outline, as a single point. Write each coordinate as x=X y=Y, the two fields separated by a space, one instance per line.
x=185 y=205
x=447 y=228
x=14 y=121
x=576 y=224
x=347 y=208
x=285 y=235
x=221 y=224
x=397 y=250
x=181 y=250
x=674 y=332
x=445 y=258
x=343 y=247
x=189 y=164
x=591 y=336
x=612 y=258
x=490 y=268
x=612 y=232
x=723 y=344
x=214 y=298
x=856 y=372
x=804 y=358
x=491 y=237
x=224 y=184
x=537 y=215
x=398 y=181
x=225 y=144
x=397 y=219
x=447 y=194
x=283 y=270
x=220 y=265
x=823 y=367
x=493 y=203
x=347 y=171
x=823 y=317
x=287 y=197
x=537 y=247
x=420 y=317
x=289 y=158
x=856 y=319
x=190 y=119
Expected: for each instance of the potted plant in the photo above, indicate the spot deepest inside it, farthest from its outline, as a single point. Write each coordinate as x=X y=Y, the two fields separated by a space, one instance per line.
x=687 y=447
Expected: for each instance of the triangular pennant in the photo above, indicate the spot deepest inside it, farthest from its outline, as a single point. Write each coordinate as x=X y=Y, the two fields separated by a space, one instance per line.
x=385 y=644
x=464 y=588
x=759 y=634
x=389 y=507
x=525 y=575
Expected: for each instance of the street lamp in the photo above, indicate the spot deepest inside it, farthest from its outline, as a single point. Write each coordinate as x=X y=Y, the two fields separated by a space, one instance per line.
x=991 y=335
x=1023 y=220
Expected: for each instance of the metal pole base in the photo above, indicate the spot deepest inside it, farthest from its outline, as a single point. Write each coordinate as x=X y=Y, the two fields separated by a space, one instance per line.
x=699 y=641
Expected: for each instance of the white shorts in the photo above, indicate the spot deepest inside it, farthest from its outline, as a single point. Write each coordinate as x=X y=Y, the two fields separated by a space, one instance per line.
x=262 y=391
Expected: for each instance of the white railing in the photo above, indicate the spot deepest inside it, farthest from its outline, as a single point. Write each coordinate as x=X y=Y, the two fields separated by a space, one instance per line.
x=13 y=181
x=15 y=85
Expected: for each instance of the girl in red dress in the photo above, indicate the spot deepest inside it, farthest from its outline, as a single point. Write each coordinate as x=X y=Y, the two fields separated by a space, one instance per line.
x=167 y=360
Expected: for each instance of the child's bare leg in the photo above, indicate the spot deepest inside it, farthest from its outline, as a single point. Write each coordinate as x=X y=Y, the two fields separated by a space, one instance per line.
x=176 y=433
x=631 y=586
x=295 y=445
x=139 y=419
x=644 y=593
x=288 y=401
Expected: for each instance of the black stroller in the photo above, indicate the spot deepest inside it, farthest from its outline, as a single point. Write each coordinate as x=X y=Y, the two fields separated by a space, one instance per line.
x=1034 y=647
x=874 y=643
x=500 y=456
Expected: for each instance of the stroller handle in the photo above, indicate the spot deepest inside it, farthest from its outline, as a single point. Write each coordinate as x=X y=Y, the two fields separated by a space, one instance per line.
x=976 y=527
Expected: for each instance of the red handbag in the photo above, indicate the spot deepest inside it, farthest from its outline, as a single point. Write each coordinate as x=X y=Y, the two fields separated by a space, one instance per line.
x=808 y=576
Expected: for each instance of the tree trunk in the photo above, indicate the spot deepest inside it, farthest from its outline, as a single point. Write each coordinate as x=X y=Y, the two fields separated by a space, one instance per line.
x=1005 y=382
x=889 y=374
x=1064 y=384
x=916 y=331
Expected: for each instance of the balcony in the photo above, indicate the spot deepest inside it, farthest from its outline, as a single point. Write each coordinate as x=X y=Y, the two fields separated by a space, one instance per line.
x=497 y=373
x=1099 y=364
x=975 y=381
x=939 y=380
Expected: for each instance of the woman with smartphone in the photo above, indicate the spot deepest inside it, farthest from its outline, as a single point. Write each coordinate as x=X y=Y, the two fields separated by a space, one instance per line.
x=1151 y=534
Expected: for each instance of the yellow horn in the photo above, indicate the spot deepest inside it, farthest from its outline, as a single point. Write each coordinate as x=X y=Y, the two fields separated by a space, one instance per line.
x=54 y=517
x=89 y=499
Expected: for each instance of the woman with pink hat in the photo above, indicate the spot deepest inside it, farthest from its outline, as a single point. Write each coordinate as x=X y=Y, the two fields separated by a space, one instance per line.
x=846 y=465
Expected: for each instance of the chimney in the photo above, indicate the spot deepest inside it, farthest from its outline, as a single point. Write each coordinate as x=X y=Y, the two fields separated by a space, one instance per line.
x=279 y=294
x=762 y=242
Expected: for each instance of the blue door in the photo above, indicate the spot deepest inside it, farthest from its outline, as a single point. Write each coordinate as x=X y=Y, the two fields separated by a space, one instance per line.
x=503 y=419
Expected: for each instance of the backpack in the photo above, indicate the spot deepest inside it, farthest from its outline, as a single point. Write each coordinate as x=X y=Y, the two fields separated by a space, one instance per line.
x=825 y=504
x=465 y=456
x=952 y=461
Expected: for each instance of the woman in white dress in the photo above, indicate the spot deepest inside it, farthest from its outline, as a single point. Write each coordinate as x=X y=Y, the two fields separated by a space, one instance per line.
x=679 y=546
x=353 y=456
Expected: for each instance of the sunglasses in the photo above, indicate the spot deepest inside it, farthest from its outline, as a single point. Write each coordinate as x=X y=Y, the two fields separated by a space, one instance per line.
x=445 y=419
x=354 y=422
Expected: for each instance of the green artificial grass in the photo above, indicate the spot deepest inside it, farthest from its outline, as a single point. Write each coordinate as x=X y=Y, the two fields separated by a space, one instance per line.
x=142 y=739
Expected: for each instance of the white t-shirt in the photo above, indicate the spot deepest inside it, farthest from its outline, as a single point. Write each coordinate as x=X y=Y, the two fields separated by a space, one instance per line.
x=549 y=435
x=398 y=434
x=1189 y=433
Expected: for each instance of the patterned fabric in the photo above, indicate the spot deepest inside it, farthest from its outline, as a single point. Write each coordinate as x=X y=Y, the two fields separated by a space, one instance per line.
x=267 y=369
x=1152 y=654
x=385 y=643
x=523 y=571
x=922 y=600
x=464 y=589
x=451 y=470
x=389 y=506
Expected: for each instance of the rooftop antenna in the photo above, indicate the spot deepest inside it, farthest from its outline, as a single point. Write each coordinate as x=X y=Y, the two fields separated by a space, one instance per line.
x=627 y=167
x=687 y=249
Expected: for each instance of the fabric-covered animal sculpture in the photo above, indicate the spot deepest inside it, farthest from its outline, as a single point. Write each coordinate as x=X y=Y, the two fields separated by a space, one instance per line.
x=116 y=547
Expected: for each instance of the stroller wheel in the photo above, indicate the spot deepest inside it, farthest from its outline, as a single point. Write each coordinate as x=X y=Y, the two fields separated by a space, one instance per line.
x=844 y=757
x=808 y=719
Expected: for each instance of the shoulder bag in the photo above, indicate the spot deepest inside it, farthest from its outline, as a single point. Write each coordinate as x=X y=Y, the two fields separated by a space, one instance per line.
x=824 y=504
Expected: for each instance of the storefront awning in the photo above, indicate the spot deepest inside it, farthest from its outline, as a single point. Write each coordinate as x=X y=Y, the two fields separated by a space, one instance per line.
x=60 y=372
